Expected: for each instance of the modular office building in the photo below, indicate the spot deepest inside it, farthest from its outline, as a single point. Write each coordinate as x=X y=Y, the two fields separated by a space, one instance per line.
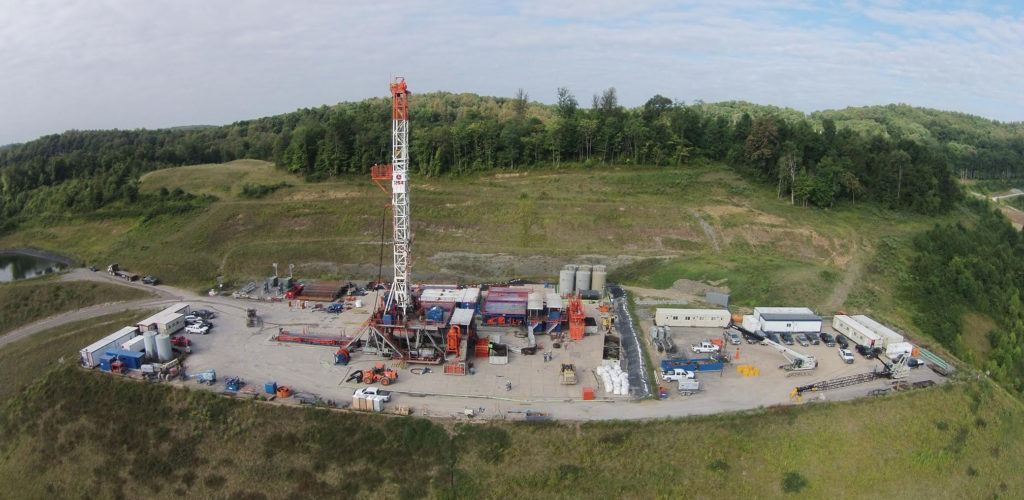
x=787 y=319
x=692 y=317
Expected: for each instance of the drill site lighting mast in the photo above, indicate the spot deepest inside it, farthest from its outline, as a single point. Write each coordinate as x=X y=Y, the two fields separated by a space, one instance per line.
x=398 y=173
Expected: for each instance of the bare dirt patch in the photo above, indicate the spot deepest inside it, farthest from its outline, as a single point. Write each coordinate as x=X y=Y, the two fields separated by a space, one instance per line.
x=1016 y=217
x=755 y=215
x=804 y=243
x=683 y=290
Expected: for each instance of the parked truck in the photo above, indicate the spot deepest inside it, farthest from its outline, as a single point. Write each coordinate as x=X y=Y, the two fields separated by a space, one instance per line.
x=367 y=392
x=568 y=374
x=677 y=374
x=704 y=347
x=115 y=270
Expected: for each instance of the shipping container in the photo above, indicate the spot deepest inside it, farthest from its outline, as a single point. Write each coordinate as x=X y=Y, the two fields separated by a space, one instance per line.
x=131 y=359
x=750 y=323
x=696 y=318
x=104 y=361
x=135 y=344
x=888 y=335
x=895 y=349
x=90 y=355
x=855 y=331
x=168 y=321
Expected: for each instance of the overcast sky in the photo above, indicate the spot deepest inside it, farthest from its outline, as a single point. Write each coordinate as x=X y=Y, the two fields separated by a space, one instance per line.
x=129 y=64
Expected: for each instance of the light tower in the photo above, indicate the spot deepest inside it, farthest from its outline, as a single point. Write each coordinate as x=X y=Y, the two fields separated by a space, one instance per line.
x=398 y=173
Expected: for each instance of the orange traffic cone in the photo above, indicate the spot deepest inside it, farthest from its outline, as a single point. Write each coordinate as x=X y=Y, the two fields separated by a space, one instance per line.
x=737 y=353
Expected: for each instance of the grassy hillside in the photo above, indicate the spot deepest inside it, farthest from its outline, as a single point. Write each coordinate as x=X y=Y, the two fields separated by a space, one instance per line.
x=635 y=212
x=645 y=223
x=25 y=361
x=224 y=180
x=56 y=439
x=23 y=302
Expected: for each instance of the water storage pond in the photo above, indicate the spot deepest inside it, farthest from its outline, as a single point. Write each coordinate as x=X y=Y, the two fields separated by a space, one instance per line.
x=19 y=265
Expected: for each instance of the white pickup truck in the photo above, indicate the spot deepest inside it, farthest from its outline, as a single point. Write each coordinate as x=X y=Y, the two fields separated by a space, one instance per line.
x=676 y=375
x=373 y=391
x=704 y=347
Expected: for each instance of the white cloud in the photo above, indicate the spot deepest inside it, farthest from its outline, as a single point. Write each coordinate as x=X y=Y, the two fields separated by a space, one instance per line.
x=148 y=64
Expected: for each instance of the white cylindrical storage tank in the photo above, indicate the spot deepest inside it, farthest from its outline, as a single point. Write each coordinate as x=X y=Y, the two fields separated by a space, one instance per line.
x=164 y=351
x=566 y=278
x=583 y=278
x=149 y=342
x=599 y=278
x=569 y=285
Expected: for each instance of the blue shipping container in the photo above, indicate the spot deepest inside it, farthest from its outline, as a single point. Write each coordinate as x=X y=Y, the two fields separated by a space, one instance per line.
x=105 y=362
x=131 y=359
x=435 y=314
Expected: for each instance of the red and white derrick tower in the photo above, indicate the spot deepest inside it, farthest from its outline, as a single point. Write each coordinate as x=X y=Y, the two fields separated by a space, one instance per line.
x=398 y=173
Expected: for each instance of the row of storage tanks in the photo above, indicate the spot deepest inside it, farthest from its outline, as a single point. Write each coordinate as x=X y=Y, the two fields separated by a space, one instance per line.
x=157 y=346
x=574 y=278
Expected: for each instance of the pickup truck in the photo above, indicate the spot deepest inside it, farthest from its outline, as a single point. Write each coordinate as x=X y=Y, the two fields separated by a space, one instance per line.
x=197 y=329
x=373 y=391
x=677 y=375
x=704 y=347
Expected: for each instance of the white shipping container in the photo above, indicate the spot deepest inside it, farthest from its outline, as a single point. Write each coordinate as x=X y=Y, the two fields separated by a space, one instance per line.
x=888 y=335
x=137 y=344
x=855 y=331
x=894 y=350
x=750 y=323
x=90 y=355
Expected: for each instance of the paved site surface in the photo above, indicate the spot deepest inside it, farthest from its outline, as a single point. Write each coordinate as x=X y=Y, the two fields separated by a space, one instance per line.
x=233 y=349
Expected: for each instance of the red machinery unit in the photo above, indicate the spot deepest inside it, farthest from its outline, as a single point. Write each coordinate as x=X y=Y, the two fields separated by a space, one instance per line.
x=577 y=318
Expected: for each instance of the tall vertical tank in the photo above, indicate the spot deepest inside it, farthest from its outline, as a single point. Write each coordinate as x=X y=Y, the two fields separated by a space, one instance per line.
x=566 y=279
x=599 y=278
x=149 y=341
x=164 y=351
x=583 y=278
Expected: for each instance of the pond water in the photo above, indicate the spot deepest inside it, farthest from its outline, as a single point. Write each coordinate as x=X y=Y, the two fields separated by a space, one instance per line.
x=16 y=266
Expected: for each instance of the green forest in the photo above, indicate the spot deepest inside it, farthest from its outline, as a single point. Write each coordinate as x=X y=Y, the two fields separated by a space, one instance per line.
x=897 y=156
x=957 y=269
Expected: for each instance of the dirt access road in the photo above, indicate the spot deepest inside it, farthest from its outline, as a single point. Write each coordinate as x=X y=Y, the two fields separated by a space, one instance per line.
x=166 y=296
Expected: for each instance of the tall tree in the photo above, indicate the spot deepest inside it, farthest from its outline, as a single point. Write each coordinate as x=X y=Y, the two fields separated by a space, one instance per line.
x=520 y=103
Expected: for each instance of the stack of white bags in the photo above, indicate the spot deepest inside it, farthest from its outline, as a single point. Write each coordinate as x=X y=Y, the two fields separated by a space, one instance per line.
x=614 y=379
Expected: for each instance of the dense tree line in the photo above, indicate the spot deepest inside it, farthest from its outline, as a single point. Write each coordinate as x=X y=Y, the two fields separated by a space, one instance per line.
x=898 y=156
x=977 y=148
x=961 y=268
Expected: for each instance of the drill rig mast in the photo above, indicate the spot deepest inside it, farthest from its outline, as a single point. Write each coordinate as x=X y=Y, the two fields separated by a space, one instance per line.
x=398 y=173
